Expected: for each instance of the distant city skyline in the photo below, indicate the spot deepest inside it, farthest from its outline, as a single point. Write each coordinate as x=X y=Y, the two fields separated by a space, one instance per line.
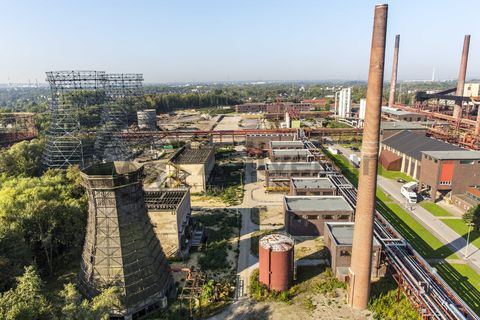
x=222 y=41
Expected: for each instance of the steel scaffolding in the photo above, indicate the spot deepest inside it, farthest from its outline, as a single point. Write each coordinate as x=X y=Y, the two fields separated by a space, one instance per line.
x=64 y=146
x=124 y=94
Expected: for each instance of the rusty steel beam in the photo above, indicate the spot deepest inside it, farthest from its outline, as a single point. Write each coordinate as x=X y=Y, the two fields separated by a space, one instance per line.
x=361 y=266
x=393 y=82
x=457 y=111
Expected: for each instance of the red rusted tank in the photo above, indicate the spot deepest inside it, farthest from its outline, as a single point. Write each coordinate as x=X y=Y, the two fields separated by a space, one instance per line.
x=276 y=261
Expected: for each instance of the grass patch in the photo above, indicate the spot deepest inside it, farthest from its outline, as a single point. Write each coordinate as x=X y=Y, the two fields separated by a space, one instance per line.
x=435 y=209
x=460 y=227
x=464 y=280
x=426 y=244
x=394 y=175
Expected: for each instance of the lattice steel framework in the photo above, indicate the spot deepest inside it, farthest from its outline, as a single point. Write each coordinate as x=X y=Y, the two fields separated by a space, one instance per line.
x=120 y=247
x=122 y=90
x=64 y=144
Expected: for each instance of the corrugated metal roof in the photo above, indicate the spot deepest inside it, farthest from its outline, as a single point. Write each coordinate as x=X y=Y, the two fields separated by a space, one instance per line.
x=413 y=144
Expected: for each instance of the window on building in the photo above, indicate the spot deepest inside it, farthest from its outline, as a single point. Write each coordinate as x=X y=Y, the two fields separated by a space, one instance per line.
x=345 y=253
x=312 y=217
x=343 y=217
x=328 y=217
x=467 y=161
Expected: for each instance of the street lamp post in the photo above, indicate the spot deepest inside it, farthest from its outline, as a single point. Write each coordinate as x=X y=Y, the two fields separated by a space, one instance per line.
x=468 y=239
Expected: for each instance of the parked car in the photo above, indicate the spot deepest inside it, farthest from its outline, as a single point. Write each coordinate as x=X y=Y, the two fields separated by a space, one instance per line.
x=401 y=180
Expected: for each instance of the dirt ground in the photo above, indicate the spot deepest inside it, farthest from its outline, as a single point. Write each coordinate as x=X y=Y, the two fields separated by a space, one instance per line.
x=271 y=216
x=309 y=248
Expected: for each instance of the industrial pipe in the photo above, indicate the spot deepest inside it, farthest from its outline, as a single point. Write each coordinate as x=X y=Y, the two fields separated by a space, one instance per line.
x=360 y=270
x=457 y=111
x=393 y=83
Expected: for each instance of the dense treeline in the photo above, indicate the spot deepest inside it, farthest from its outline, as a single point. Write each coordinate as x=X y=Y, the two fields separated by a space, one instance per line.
x=42 y=229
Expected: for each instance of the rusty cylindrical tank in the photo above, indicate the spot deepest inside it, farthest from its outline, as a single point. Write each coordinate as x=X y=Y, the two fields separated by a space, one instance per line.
x=276 y=259
x=457 y=111
x=360 y=270
x=393 y=82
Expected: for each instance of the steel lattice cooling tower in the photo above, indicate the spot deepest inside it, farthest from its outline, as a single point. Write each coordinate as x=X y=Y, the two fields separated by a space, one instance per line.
x=276 y=261
x=120 y=245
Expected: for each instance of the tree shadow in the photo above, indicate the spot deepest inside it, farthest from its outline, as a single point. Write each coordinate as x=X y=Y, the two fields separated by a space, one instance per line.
x=469 y=293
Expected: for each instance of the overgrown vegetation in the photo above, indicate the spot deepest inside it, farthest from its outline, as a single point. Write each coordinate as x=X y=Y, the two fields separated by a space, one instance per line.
x=389 y=304
x=220 y=227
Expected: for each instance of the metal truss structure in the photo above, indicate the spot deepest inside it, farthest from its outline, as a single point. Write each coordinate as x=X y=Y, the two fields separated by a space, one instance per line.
x=64 y=145
x=122 y=91
x=16 y=127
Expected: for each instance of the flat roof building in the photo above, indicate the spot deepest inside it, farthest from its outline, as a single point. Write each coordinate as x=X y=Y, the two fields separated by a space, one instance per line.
x=449 y=171
x=169 y=211
x=262 y=140
x=402 y=115
x=312 y=187
x=405 y=149
x=467 y=200
x=291 y=155
x=338 y=240
x=278 y=174
x=194 y=166
x=306 y=215
x=286 y=145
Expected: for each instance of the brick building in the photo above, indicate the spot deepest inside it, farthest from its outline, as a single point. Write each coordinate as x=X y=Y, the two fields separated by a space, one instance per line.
x=338 y=240
x=278 y=174
x=401 y=115
x=312 y=187
x=449 y=171
x=405 y=147
x=467 y=200
x=306 y=215
x=262 y=140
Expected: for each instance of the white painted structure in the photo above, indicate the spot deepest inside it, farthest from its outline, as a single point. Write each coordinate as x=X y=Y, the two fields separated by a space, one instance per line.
x=343 y=102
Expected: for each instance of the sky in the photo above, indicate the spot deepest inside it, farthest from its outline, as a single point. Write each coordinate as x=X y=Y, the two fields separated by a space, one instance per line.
x=233 y=40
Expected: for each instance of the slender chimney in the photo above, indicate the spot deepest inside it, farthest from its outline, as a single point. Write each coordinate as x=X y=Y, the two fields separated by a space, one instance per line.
x=393 y=83
x=457 y=111
x=360 y=270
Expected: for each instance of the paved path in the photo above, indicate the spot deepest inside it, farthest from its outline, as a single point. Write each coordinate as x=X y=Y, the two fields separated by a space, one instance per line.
x=246 y=261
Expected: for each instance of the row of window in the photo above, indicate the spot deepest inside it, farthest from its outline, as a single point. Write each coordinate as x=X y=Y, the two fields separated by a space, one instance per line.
x=321 y=217
x=445 y=183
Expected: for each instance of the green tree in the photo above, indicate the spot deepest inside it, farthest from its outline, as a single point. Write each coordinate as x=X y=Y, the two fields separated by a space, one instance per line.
x=22 y=159
x=26 y=300
x=76 y=308
x=49 y=212
x=472 y=216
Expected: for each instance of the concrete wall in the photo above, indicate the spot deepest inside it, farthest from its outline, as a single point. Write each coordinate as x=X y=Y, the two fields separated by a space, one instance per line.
x=169 y=225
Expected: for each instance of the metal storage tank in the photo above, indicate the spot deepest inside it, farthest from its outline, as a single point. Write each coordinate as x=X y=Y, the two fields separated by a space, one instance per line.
x=276 y=261
x=147 y=119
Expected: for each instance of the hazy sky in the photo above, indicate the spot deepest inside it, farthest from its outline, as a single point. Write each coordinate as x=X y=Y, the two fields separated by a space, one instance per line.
x=200 y=40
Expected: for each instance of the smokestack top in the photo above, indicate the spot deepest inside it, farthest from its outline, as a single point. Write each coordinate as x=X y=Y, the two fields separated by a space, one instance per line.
x=381 y=5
